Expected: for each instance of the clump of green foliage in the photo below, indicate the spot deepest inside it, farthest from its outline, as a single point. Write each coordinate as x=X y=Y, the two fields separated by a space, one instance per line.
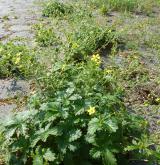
x=125 y=5
x=15 y=60
x=81 y=36
x=87 y=39
x=78 y=118
x=45 y=36
x=56 y=9
x=128 y=5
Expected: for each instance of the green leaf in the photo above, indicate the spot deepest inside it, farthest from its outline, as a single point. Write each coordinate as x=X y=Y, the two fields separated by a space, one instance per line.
x=72 y=147
x=51 y=116
x=70 y=91
x=53 y=131
x=109 y=158
x=80 y=111
x=62 y=145
x=49 y=155
x=95 y=153
x=75 y=97
x=93 y=126
x=90 y=138
x=38 y=160
x=52 y=106
x=9 y=133
x=43 y=134
x=74 y=135
x=19 y=144
x=112 y=126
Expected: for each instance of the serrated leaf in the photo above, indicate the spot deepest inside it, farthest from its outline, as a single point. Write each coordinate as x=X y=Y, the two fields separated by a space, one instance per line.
x=37 y=160
x=70 y=91
x=19 y=144
x=75 y=97
x=44 y=134
x=72 y=147
x=95 y=153
x=35 y=140
x=74 y=135
x=112 y=125
x=93 y=126
x=9 y=133
x=53 y=131
x=80 y=111
x=90 y=138
x=62 y=145
x=131 y=148
x=52 y=106
x=49 y=155
x=109 y=158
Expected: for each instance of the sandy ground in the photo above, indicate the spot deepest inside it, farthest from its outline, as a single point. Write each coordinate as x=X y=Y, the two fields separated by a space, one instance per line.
x=16 y=18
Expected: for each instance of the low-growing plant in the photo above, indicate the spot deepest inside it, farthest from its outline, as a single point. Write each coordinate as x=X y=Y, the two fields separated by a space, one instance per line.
x=77 y=118
x=15 y=60
x=81 y=36
x=56 y=9
x=133 y=70
x=45 y=36
x=87 y=39
x=125 y=5
x=128 y=5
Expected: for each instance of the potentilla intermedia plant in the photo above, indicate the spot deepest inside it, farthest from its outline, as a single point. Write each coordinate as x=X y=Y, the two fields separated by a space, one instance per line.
x=79 y=118
x=16 y=60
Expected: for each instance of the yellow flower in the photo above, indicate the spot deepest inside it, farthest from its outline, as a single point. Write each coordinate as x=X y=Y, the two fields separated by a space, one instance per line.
x=109 y=31
x=48 y=74
x=158 y=100
x=135 y=57
x=146 y=104
x=33 y=92
x=18 y=54
x=17 y=60
x=108 y=71
x=96 y=58
x=91 y=110
x=158 y=122
x=63 y=67
x=20 y=66
x=75 y=45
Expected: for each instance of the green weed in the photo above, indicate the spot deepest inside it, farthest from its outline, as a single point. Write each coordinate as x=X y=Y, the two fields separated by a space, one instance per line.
x=15 y=60
x=56 y=9
x=79 y=108
x=45 y=36
x=125 y=5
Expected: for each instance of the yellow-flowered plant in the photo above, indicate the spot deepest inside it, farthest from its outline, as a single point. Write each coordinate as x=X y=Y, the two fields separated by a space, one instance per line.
x=75 y=45
x=91 y=110
x=97 y=59
x=18 y=58
x=158 y=100
x=108 y=71
x=63 y=67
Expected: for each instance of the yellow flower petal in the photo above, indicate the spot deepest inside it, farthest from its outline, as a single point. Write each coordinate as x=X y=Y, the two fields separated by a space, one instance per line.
x=96 y=58
x=17 y=60
x=91 y=110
